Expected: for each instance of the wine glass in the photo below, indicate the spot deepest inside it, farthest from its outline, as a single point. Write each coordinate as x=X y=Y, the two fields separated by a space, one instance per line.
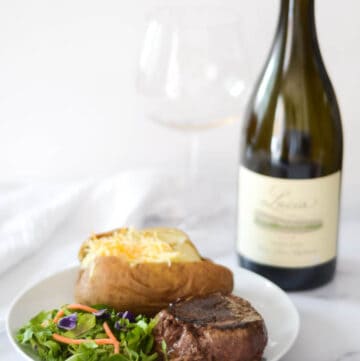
x=191 y=76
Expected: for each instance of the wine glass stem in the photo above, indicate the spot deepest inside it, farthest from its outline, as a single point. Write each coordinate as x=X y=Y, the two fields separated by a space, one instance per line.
x=193 y=161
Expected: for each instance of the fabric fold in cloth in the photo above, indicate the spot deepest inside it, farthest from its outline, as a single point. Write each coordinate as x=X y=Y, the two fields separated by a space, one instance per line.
x=26 y=229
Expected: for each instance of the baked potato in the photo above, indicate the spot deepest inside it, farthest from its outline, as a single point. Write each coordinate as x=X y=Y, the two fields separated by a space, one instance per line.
x=143 y=271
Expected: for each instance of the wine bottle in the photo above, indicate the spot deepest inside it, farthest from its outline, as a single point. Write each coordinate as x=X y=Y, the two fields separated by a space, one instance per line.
x=291 y=159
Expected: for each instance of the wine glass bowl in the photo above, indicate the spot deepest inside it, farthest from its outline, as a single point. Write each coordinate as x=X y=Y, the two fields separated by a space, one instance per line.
x=191 y=67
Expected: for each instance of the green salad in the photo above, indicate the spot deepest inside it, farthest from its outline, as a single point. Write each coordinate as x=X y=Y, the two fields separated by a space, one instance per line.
x=81 y=333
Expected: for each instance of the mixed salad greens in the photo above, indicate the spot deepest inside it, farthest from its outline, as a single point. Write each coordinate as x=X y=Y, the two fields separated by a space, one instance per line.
x=80 y=333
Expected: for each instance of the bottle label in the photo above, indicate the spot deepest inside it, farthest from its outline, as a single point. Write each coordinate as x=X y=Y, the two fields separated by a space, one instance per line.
x=288 y=222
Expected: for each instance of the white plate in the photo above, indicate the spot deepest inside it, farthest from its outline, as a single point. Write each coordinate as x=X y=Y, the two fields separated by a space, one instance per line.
x=280 y=315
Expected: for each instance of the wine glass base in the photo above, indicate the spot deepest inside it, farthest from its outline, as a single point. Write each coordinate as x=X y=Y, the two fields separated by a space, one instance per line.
x=172 y=204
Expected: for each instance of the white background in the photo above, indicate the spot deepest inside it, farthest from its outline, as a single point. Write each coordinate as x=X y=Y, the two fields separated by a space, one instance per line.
x=68 y=107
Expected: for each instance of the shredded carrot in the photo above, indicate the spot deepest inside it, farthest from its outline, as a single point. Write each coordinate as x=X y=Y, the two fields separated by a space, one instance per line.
x=74 y=306
x=78 y=306
x=59 y=314
x=116 y=347
x=73 y=341
x=112 y=337
x=109 y=333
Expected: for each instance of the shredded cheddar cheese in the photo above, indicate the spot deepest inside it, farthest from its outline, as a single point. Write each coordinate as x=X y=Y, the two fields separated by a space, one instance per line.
x=156 y=245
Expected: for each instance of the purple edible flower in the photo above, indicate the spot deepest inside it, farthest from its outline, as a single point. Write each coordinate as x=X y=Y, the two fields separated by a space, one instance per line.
x=117 y=326
x=102 y=314
x=129 y=316
x=68 y=322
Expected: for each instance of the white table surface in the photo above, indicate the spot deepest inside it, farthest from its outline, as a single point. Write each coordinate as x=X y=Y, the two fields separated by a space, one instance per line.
x=330 y=315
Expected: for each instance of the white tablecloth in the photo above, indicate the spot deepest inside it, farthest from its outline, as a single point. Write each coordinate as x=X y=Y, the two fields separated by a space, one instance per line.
x=51 y=232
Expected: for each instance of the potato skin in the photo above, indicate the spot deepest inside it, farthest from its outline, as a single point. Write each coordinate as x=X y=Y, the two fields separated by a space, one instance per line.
x=146 y=288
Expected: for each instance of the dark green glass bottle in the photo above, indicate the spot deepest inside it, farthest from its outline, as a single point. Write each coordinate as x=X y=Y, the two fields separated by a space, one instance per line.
x=291 y=159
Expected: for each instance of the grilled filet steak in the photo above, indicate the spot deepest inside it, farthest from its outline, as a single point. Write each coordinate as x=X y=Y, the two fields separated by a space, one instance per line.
x=211 y=328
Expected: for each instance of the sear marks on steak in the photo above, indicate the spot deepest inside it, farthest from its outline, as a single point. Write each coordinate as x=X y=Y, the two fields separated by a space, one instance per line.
x=211 y=328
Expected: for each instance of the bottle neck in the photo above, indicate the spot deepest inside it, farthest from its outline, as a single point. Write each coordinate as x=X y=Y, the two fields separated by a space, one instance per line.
x=300 y=13
x=297 y=29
